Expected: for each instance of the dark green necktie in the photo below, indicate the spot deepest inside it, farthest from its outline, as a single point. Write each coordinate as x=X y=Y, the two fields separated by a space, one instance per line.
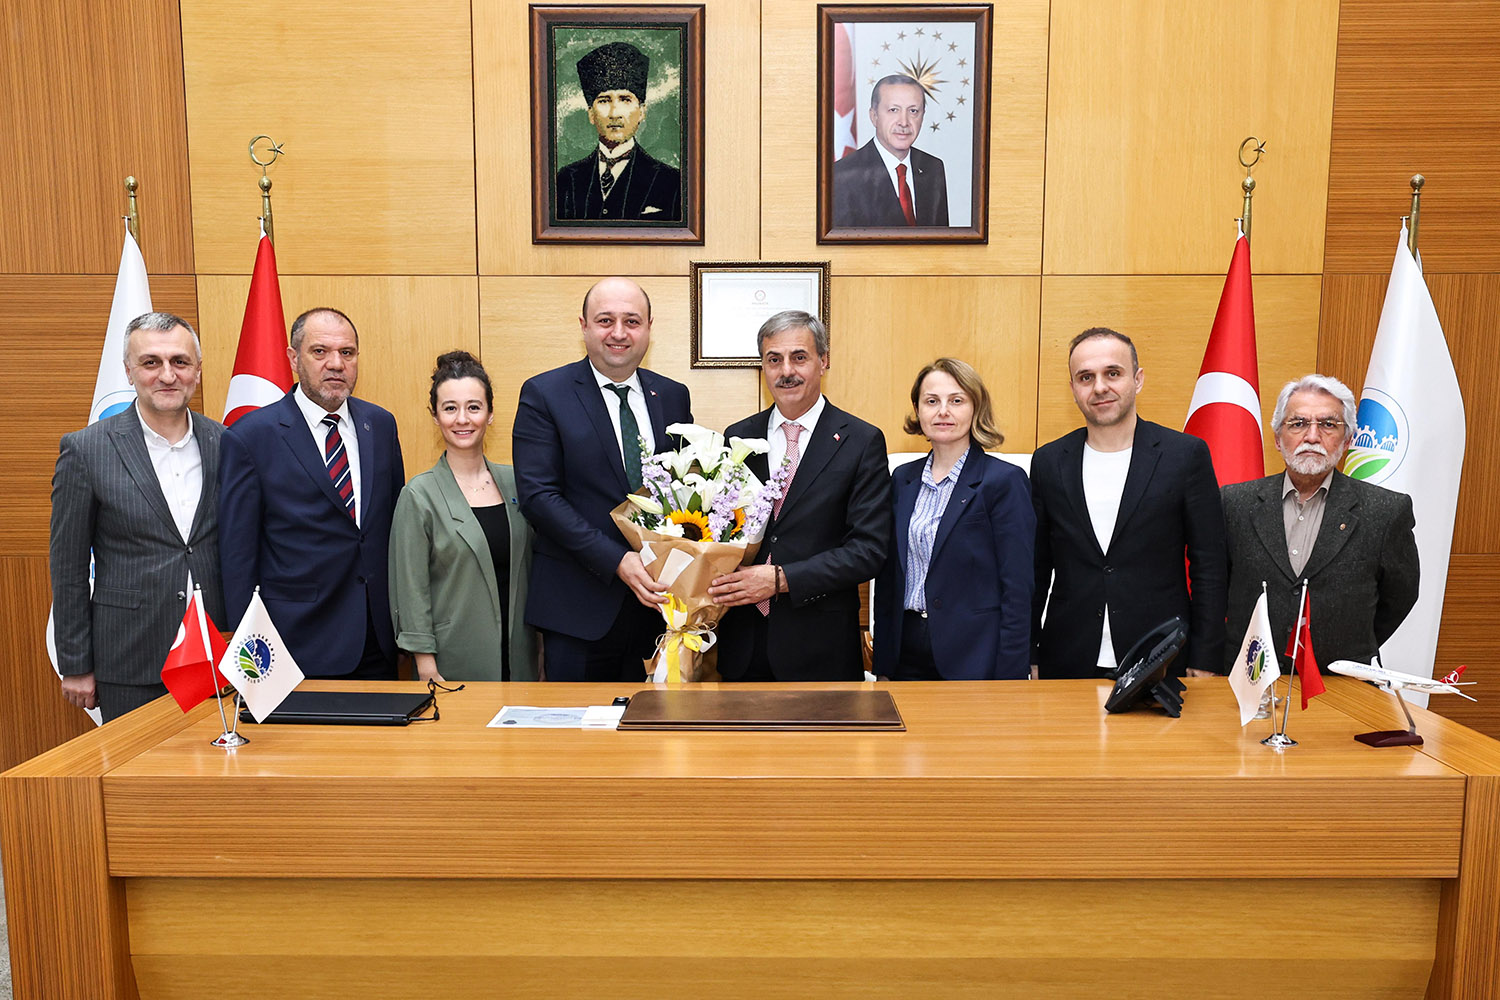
x=630 y=437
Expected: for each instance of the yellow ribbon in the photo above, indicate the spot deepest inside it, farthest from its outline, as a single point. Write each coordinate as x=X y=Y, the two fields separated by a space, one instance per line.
x=679 y=633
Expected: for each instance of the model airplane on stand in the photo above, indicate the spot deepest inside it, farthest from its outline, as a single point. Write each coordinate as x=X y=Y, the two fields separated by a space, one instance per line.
x=1395 y=682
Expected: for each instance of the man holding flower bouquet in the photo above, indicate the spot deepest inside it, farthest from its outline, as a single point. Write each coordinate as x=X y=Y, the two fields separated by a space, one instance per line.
x=794 y=613
x=577 y=450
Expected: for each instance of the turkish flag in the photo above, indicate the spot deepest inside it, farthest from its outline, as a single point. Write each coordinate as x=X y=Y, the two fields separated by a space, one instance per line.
x=1300 y=648
x=1225 y=410
x=191 y=672
x=262 y=371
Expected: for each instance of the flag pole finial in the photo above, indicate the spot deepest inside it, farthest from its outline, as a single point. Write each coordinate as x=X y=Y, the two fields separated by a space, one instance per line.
x=1417 y=180
x=272 y=151
x=1249 y=157
x=132 y=215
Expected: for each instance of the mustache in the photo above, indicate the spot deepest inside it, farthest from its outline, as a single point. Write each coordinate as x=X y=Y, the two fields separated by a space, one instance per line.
x=1311 y=448
x=788 y=382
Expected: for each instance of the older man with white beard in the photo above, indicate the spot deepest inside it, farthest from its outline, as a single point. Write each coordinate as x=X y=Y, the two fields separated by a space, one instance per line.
x=1351 y=541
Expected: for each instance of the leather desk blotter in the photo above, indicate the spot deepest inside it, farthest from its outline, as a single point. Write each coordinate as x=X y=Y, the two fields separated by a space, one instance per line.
x=655 y=708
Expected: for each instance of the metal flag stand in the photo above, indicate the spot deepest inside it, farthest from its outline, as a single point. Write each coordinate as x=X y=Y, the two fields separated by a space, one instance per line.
x=1279 y=740
x=229 y=739
x=1248 y=184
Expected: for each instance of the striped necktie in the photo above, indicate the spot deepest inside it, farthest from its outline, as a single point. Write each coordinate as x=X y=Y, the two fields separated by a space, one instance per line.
x=337 y=461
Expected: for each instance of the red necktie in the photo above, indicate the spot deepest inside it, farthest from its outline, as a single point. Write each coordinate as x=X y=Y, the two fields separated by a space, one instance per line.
x=793 y=455
x=905 y=194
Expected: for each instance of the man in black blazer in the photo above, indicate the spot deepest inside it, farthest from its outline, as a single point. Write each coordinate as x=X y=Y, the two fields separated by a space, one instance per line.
x=1119 y=503
x=618 y=180
x=139 y=490
x=887 y=182
x=794 y=614
x=1351 y=541
x=577 y=447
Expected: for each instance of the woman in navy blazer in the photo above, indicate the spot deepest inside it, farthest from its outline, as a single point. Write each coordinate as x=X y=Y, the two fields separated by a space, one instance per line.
x=953 y=601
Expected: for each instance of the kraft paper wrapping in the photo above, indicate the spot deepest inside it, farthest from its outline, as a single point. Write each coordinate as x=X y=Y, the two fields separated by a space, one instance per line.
x=686 y=567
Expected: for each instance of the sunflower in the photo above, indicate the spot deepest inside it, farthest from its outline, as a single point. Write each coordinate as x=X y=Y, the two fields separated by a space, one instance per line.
x=694 y=524
x=739 y=522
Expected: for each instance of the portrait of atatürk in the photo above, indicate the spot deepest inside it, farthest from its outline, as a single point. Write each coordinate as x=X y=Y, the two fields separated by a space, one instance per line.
x=617 y=112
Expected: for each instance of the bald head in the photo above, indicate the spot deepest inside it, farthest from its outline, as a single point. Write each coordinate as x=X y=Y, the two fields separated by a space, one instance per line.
x=616 y=287
x=616 y=324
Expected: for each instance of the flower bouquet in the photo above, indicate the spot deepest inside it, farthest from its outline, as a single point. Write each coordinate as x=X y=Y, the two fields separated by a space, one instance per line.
x=700 y=513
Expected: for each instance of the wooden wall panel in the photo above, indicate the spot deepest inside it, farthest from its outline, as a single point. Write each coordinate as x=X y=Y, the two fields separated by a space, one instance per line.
x=530 y=325
x=1018 y=113
x=54 y=329
x=1418 y=92
x=404 y=323
x=375 y=110
x=885 y=330
x=88 y=94
x=1467 y=305
x=1468 y=637
x=1146 y=106
x=1169 y=318
x=37 y=718
x=503 y=150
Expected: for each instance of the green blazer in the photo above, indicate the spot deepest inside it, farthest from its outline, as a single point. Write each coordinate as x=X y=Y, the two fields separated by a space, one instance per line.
x=444 y=598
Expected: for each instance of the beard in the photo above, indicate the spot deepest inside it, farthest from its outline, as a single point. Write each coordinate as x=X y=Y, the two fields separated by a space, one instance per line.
x=1311 y=460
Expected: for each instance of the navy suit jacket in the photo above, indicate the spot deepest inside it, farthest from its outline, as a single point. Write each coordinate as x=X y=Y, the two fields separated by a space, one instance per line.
x=1169 y=509
x=569 y=476
x=282 y=527
x=830 y=537
x=864 y=196
x=980 y=577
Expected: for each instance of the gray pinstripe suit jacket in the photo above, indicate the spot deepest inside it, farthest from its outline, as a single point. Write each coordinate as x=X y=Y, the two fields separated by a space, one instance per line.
x=105 y=497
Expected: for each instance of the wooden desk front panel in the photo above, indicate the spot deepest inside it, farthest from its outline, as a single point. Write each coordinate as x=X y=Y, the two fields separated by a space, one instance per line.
x=994 y=781
x=1039 y=940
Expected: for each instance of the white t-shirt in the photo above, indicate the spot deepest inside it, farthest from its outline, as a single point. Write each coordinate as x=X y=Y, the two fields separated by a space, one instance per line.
x=1104 y=475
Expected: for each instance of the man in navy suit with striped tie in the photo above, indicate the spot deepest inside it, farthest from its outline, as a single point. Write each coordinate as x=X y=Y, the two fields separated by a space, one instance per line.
x=308 y=486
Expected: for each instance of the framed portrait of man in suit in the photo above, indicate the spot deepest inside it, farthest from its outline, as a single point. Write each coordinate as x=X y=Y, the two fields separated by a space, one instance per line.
x=617 y=124
x=903 y=123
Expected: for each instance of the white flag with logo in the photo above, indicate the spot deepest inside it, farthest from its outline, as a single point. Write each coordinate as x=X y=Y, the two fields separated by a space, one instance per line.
x=1411 y=439
x=257 y=662
x=1256 y=668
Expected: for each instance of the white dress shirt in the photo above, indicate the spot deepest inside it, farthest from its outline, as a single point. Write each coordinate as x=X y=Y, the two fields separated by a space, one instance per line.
x=179 y=471
x=637 y=406
x=314 y=414
x=890 y=170
x=777 y=438
x=1104 y=474
x=614 y=160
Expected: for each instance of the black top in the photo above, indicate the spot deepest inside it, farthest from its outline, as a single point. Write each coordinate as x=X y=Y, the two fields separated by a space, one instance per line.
x=496 y=525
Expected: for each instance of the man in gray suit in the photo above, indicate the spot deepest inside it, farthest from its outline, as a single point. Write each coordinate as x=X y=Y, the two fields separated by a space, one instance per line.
x=140 y=491
x=1350 y=540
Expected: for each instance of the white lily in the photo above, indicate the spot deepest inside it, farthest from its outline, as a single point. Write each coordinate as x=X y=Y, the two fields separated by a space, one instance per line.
x=742 y=448
x=706 y=488
x=671 y=528
x=645 y=503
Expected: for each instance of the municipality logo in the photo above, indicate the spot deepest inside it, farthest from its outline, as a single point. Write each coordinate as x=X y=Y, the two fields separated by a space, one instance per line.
x=1255 y=659
x=254 y=659
x=1380 y=444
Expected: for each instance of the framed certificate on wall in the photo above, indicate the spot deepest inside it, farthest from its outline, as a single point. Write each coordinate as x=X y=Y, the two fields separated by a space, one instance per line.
x=731 y=299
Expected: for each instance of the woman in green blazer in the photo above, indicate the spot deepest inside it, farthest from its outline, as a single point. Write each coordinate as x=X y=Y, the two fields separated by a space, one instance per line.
x=455 y=525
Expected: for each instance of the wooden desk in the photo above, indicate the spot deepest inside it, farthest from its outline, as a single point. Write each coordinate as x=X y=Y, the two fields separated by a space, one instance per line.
x=1015 y=841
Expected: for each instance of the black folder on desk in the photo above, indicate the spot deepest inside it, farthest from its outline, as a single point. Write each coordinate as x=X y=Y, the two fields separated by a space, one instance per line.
x=689 y=708
x=347 y=708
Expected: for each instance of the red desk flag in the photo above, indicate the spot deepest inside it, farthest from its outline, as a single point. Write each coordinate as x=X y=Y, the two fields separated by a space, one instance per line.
x=1225 y=410
x=262 y=371
x=191 y=673
x=1300 y=648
